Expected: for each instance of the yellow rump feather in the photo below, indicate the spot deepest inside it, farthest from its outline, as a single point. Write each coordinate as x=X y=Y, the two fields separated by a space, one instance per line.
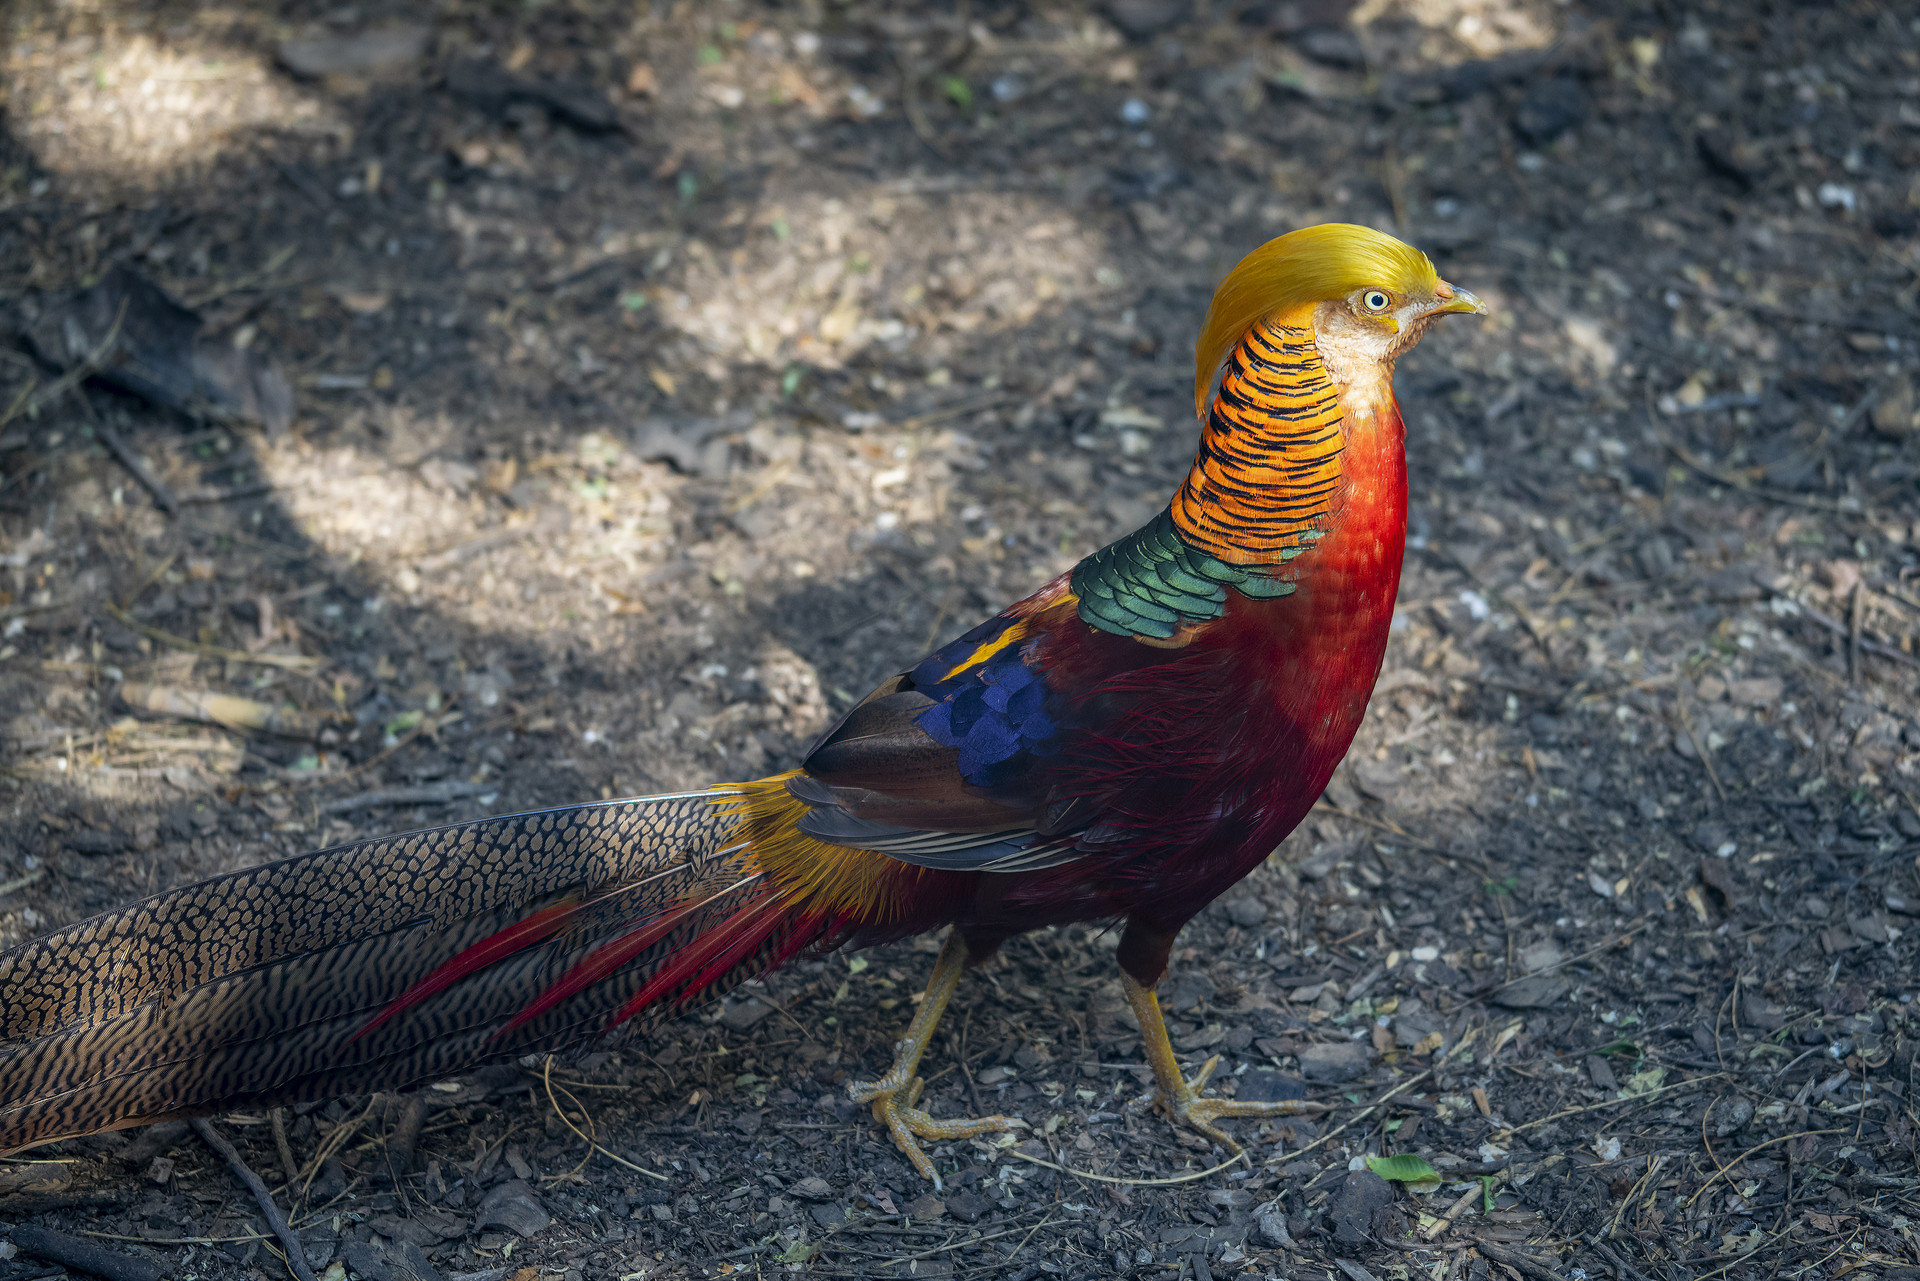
x=1311 y=265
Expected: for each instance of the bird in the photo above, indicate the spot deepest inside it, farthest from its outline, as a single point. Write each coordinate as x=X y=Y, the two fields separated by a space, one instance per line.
x=1119 y=747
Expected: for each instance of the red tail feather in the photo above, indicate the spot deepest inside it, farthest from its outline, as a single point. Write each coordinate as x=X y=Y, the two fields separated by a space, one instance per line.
x=717 y=950
x=537 y=928
x=600 y=963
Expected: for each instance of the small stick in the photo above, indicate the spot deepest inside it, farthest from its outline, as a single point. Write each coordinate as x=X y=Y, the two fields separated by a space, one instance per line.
x=1518 y=1260
x=296 y=1253
x=85 y=1256
x=1475 y=1193
x=404 y=1144
x=162 y=496
x=278 y=1116
x=1857 y=616
x=1700 y=749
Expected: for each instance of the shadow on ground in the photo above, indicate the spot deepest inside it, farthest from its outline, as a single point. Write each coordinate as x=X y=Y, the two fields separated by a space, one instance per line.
x=666 y=378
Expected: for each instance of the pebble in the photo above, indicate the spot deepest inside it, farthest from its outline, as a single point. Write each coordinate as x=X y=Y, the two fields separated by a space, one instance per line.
x=1328 y=1064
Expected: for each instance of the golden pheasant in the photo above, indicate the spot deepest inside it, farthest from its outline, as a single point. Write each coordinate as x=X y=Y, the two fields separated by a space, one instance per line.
x=1121 y=746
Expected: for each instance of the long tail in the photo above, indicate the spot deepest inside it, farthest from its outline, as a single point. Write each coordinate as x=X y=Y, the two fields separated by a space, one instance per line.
x=394 y=961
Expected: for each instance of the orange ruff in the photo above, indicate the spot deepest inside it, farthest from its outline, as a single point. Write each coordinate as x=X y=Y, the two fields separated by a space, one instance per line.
x=1270 y=458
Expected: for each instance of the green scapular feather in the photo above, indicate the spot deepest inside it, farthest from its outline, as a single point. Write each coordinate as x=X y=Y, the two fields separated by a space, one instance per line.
x=1151 y=583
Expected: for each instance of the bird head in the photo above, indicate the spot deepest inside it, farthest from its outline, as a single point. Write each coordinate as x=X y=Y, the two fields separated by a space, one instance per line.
x=1361 y=290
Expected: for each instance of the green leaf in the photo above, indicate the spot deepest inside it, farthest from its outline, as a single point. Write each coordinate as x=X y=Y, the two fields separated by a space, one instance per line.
x=790 y=381
x=1486 y=1193
x=1645 y=1081
x=405 y=721
x=958 y=91
x=1403 y=1168
x=634 y=300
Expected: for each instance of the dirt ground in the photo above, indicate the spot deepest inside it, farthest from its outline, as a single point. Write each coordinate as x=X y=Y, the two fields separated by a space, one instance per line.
x=667 y=374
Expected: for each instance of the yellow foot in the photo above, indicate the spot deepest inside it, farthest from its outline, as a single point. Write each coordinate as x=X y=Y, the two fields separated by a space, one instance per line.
x=896 y=1107
x=1187 y=1108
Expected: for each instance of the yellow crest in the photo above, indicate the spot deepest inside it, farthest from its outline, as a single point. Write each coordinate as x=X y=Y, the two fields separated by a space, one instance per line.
x=1311 y=265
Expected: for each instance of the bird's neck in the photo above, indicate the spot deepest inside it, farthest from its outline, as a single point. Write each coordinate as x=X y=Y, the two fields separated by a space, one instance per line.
x=1284 y=436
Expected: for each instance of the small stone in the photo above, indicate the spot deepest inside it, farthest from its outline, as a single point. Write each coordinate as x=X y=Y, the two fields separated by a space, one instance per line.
x=95 y=843
x=1142 y=20
x=741 y=1015
x=382 y=51
x=1544 y=955
x=1246 y=911
x=926 y=1207
x=1378 y=779
x=1894 y=416
x=967 y=1205
x=366 y=1260
x=1549 y=109
x=1189 y=990
x=1272 y=1227
x=812 y=1188
x=1352 y=1207
x=1329 y=1064
x=1335 y=47
x=827 y=1216
x=513 y=1206
x=1729 y=1116
x=1264 y=1085
x=1758 y=691
x=1534 y=993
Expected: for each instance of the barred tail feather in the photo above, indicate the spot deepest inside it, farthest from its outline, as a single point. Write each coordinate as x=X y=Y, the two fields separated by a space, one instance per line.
x=389 y=962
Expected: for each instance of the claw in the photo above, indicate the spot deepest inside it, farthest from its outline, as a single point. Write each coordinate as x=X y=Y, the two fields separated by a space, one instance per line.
x=1187 y=1108
x=1178 y=1096
x=896 y=1096
x=897 y=1108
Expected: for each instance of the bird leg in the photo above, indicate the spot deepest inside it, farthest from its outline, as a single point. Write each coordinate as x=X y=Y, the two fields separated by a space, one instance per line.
x=1179 y=1097
x=896 y=1095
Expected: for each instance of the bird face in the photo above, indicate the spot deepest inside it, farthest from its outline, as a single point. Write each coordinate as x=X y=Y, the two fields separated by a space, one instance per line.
x=1376 y=324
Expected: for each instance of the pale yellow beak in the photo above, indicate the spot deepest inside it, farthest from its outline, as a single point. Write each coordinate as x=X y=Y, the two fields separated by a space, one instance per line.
x=1449 y=300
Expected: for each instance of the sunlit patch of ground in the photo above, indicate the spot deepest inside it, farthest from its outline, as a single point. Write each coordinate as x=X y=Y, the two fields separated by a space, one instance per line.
x=134 y=108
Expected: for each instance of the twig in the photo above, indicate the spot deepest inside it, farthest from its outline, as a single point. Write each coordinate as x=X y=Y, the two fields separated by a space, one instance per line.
x=1130 y=1183
x=916 y=114
x=1519 y=1260
x=1857 y=615
x=1375 y=1106
x=425 y=794
x=21 y=882
x=546 y=1078
x=1648 y=1097
x=1746 y=487
x=1741 y=1159
x=335 y=1140
x=292 y=662
x=123 y=453
x=296 y=1253
x=1700 y=749
x=1838 y=628
x=84 y=1256
x=278 y=1117
x=1475 y=1193
x=1653 y=1167
x=66 y=382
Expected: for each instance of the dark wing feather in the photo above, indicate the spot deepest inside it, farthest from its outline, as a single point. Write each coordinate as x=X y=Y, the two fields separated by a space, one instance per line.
x=936 y=767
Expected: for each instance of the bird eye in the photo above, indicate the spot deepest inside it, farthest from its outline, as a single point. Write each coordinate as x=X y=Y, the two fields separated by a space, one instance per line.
x=1375 y=300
